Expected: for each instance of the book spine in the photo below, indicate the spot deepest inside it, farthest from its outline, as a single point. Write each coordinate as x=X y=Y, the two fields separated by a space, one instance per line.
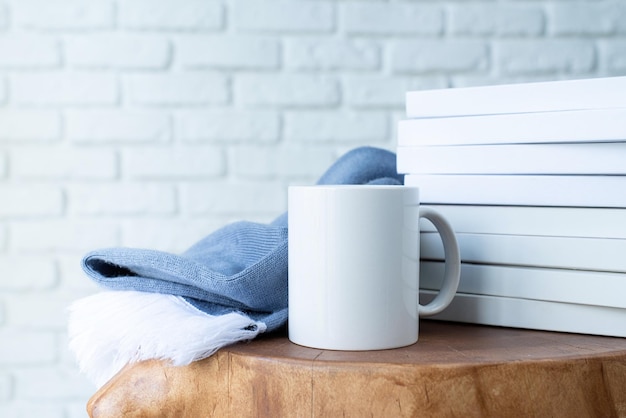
x=549 y=96
x=578 y=159
x=533 y=314
x=594 y=254
x=597 y=125
x=556 y=285
x=566 y=191
x=528 y=220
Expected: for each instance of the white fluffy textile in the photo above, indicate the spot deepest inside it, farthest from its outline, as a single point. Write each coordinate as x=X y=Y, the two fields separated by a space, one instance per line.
x=111 y=329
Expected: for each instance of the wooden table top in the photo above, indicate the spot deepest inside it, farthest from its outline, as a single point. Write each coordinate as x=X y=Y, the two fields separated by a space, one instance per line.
x=447 y=343
x=453 y=370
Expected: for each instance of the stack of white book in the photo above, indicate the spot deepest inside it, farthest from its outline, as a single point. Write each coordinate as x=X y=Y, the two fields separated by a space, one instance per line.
x=532 y=178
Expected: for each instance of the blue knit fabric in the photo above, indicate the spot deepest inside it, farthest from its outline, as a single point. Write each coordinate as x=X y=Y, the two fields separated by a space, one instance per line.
x=241 y=267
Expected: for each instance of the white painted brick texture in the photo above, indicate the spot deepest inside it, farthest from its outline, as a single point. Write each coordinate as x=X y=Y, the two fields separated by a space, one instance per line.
x=298 y=90
x=29 y=52
x=228 y=52
x=60 y=163
x=283 y=15
x=545 y=56
x=122 y=51
x=27 y=201
x=166 y=15
x=3 y=165
x=177 y=89
x=64 y=89
x=613 y=56
x=173 y=162
x=430 y=55
x=3 y=16
x=63 y=14
x=151 y=123
x=27 y=347
x=20 y=125
x=336 y=126
x=497 y=19
x=3 y=90
x=228 y=125
x=313 y=54
x=587 y=18
x=376 y=18
x=116 y=125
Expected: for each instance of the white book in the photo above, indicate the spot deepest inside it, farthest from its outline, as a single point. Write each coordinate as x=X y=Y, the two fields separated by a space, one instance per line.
x=568 y=191
x=532 y=220
x=595 y=254
x=578 y=159
x=556 y=285
x=595 y=125
x=532 y=314
x=547 y=96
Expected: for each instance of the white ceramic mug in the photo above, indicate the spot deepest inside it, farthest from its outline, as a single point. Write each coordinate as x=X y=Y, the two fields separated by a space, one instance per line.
x=354 y=266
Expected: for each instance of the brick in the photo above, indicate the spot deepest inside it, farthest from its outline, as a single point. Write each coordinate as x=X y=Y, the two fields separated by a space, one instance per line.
x=25 y=409
x=39 y=311
x=333 y=125
x=228 y=51
x=62 y=163
x=227 y=125
x=3 y=91
x=178 y=89
x=613 y=55
x=319 y=54
x=26 y=273
x=71 y=275
x=548 y=56
x=51 y=383
x=234 y=198
x=29 y=125
x=4 y=16
x=587 y=18
x=6 y=387
x=118 y=126
x=173 y=163
x=374 y=18
x=66 y=356
x=27 y=347
x=474 y=80
x=299 y=162
x=376 y=91
x=29 y=52
x=286 y=90
x=282 y=15
x=63 y=14
x=60 y=236
x=27 y=201
x=121 y=199
x=75 y=409
x=64 y=89
x=172 y=235
x=119 y=51
x=3 y=165
x=427 y=56
x=171 y=15
x=3 y=246
x=489 y=19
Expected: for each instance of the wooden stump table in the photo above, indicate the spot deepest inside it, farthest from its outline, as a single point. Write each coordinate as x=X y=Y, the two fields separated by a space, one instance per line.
x=454 y=370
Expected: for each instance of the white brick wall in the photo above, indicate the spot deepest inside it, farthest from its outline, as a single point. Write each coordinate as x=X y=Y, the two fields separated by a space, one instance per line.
x=151 y=123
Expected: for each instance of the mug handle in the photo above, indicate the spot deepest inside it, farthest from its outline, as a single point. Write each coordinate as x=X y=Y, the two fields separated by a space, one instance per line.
x=452 y=273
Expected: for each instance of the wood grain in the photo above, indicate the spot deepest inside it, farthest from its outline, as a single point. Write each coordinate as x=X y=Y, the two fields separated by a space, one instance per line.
x=454 y=370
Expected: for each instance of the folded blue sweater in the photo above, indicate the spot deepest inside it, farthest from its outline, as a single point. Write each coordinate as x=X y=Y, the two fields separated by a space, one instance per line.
x=241 y=267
